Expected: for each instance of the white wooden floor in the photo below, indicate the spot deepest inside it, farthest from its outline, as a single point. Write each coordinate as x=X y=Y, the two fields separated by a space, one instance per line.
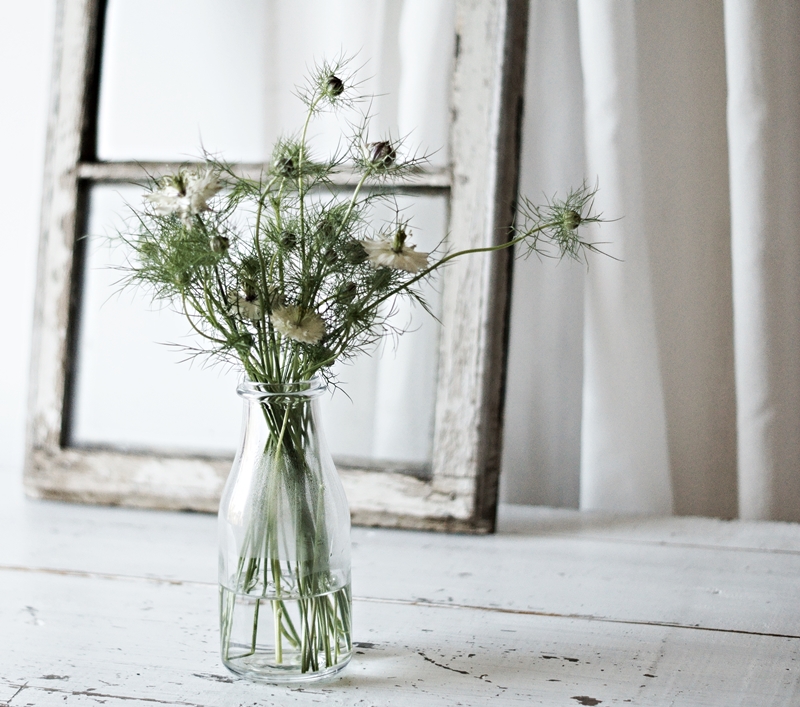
x=118 y=607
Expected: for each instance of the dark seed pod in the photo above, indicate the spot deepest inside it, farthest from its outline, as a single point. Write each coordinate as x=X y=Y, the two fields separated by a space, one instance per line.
x=288 y=240
x=346 y=293
x=354 y=253
x=571 y=220
x=219 y=244
x=382 y=153
x=330 y=256
x=335 y=86
x=285 y=167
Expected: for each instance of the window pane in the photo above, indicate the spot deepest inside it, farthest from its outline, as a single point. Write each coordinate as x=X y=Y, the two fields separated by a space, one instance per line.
x=181 y=74
x=130 y=392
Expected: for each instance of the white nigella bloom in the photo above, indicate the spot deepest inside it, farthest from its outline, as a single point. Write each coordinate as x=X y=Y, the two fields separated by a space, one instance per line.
x=201 y=185
x=394 y=253
x=185 y=194
x=306 y=328
x=246 y=305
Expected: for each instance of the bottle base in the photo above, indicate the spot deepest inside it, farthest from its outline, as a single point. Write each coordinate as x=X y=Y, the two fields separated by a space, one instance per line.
x=262 y=668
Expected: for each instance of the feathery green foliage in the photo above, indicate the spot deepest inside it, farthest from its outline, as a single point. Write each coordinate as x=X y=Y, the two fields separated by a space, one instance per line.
x=283 y=276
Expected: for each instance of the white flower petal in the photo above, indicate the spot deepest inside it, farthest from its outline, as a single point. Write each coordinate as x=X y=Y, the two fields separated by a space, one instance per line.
x=165 y=201
x=381 y=254
x=200 y=187
x=247 y=307
x=196 y=188
x=308 y=329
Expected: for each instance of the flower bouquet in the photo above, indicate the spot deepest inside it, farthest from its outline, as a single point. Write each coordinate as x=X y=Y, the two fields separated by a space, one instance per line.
x=283 y=277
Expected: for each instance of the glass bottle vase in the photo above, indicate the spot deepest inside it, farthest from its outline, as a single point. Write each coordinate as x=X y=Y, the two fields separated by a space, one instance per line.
x=284 y=543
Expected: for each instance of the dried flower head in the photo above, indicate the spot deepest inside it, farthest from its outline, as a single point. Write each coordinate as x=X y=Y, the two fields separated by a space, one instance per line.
x=292 y=322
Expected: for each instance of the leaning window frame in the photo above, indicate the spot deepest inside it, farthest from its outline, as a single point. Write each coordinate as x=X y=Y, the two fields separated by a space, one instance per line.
x=461 y=495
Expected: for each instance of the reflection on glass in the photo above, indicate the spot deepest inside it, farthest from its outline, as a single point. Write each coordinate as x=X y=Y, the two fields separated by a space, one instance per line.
x=131 y=393
x=186 y=74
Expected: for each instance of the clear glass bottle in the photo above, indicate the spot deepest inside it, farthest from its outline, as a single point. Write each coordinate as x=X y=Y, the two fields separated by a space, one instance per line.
x=284 y=543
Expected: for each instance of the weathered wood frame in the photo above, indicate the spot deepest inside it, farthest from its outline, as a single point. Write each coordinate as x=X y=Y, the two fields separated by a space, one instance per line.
x=462 y=493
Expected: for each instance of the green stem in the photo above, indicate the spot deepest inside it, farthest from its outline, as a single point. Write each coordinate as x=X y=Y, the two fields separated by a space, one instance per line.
x=458 y=254
x=278 y=621
x=322 y=631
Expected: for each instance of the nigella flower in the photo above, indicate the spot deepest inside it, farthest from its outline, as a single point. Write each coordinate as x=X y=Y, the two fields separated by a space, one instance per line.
x=291 y=322
x=247 y=305
x=185 y=194
x=201 y=185
x=395 y=253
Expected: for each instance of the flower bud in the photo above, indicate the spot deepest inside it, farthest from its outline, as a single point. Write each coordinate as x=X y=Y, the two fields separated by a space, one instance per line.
x=285 y=167
x=346 y=293
x=219 y=244
x=330 y=256
x=571 y=220
x=354 y=253
x=335 y=86
x=288 y=240
x=382 y=153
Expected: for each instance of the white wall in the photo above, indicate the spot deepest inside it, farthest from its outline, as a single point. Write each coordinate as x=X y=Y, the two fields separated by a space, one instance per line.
x=26 y=37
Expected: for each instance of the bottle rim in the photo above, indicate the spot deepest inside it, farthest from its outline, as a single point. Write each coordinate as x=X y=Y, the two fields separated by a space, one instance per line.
x=255 y=390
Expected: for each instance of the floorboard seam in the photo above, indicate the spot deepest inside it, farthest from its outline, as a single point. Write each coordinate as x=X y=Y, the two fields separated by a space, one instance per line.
x=413 y=602
x=668 y=543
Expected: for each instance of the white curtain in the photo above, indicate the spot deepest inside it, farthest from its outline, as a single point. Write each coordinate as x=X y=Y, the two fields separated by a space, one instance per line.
x=668 y=380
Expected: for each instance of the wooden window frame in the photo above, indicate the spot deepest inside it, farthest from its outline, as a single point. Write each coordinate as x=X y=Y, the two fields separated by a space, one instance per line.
x=461 y=495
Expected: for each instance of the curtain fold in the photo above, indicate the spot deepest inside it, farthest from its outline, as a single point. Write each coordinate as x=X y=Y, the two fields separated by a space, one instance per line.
x=624 y=458
x=691 y=125
x=763 y=63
